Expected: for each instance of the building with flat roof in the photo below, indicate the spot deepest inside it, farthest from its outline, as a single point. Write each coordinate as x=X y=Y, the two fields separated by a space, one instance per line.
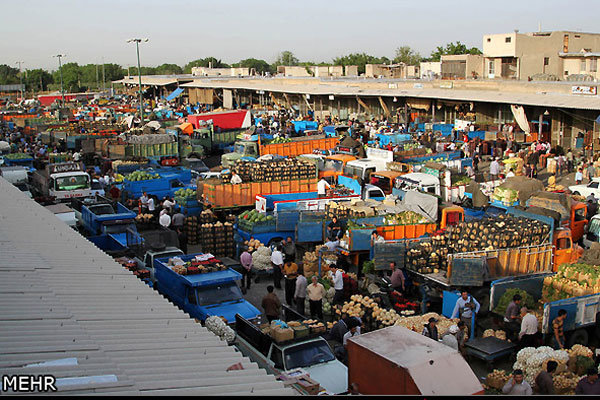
x=524 y=55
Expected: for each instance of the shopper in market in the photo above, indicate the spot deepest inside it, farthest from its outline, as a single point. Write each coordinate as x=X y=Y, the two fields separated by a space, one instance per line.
x=277 y=262
x=589 y=384
x=517 y=385
x=430 y=330
x=183 y=239
x=290 y=273
x=165 y=219
x=300 y=292
x=558 y=338
x=464 y=307
x=543 y=381
x=397 y=278
x=338 y=284
x=322 y=187
x=334 y=229
x=315 y=292
x=178 y=219
x=271 y=304
x=529 y=329
x=246 y=261
x=289 y=249
x=144 y=202
x=494 y=169
x=512 y=317
x=449 y=338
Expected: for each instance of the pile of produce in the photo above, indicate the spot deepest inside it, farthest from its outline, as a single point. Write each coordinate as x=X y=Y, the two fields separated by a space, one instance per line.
x=253 y=244
x=59 y=157
x=526 y=300
x=144 y=218
x=217 y=239
x=497 y=379
x=339 y=191
x=311 y=262
x=405 y=218
x=403 y=306
x=532 y=360
x=499 y=334
x=459 y=180
x=261 y=259
x=427 y=257
x=341 y=211
x=505 y=195
x=192 y=225
x=195 y=267
x=417 y=323
x=571 y=280
x=141 y=176
x=117 y=165
x=279 y=140
x=184 y=195
x=217 y=326
x=18 y=156
x=275 y=170
x=314 y=325
x=248 y=219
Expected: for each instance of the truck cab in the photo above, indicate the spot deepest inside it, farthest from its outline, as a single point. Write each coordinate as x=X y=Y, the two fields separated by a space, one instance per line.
x=205 y=294
x=313 y=355
x=242 y=148
x=418 y=181
x=385 y=180
x=333 y=166
x=565 y=250
x=61 y=182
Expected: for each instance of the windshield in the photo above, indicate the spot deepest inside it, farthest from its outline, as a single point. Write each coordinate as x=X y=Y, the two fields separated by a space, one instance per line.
x=307 y=354
x=239 y=148
x=116 y=228
x=595 y=226
x=219 y=294
x=333 y=165
x=352 y=171
x=73 y=182
x=96 y=185
x=381 y=182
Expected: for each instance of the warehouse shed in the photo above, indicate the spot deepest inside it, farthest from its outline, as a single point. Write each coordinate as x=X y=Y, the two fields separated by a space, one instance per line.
x=69 y=310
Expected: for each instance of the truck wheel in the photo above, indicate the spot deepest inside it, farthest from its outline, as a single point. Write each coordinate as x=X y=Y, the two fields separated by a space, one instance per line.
x=576 y=194
x=580 y=336
x=274 y=240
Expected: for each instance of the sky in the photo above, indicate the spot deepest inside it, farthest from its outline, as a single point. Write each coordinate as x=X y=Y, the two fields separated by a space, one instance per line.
x=179 y=31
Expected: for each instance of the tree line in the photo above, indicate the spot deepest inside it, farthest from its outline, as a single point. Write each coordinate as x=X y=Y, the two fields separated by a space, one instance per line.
x=78 y=78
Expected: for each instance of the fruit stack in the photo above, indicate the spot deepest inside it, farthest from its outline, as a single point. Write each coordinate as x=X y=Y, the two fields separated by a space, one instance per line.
x=191 y=229
x=217 y=239
x=267 y=171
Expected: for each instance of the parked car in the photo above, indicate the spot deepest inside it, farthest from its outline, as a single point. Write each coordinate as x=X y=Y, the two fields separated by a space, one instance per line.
x=586 y=190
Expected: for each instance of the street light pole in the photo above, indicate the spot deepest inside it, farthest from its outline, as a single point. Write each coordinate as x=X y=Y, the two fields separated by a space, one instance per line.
x=137 y=46
x=62 y=91
x=21 y=77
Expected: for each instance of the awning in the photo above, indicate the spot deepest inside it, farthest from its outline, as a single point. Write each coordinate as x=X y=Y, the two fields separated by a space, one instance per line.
x=174 y=94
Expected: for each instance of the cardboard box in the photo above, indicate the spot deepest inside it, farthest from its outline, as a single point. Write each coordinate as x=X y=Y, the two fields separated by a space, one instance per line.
x=282 y=334
x=300 y=331
x=310 y=386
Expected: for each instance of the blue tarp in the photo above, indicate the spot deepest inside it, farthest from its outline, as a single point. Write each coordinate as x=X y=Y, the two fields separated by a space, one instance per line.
x=304 y=125
x=174 y=94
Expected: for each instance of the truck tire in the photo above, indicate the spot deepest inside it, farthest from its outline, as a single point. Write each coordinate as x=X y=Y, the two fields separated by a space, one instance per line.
x=576 y=194
x=274 y=240
x=580 y=336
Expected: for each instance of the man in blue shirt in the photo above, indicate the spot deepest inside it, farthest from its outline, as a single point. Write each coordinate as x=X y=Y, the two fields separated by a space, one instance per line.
x=464 y=308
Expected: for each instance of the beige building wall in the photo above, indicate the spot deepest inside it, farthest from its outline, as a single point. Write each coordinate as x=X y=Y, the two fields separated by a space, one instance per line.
x=432 y=67
x=297 y=71
x=587 y=65
x=472 y=63
x=535 y=52
x=336 y=70
x=351 y=70
x=376 y=70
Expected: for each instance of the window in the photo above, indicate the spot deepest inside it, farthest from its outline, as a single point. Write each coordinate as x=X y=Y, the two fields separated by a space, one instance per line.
x=191 y=296
x=277 y=358
x=176 y=183
x=546 y=61
x=491 y=67
x=72 y=182
x=593 y=65
x=489 y=39
x=566 y=72
x=507 y=39
x=582 y=69
x=577 y=36
x=563 y=243
x=580 y=214
x=593 y=185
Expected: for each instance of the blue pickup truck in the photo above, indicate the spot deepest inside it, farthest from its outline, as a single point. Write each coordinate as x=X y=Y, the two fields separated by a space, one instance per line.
x=582 y=311
x=206 y=294
x=171 y=180
x=105 y=222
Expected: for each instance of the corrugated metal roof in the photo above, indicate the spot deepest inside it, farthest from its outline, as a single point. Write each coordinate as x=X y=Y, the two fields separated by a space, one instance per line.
x=63 y=300
x=542 y=99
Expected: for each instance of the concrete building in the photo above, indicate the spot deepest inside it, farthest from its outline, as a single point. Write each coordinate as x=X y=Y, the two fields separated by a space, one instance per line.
x=524 y=55
x=582 y=66
x=461 y=66
x=431 y=69
x=394 y=71
x=207 y=71
x=351 y=70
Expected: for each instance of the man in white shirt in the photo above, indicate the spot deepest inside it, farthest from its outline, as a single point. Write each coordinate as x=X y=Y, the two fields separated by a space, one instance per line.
x=144 y=202
x=277 y=261
x=76 y=156
x=494 y=169
x=151 y=206
x=529 y=328
x=338 y=285
x=235 y=178
x=449 y=338
x=168 y=204
x=165 y=219
x=322 y=186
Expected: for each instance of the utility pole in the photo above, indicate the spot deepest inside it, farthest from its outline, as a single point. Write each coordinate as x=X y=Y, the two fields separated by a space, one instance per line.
x=103 y=76
x=97 y=81
x=137 y=46
x=21 y=77
x=62 y=91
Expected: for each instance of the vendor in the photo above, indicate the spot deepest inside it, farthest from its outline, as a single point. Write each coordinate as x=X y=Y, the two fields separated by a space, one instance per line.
x=430 y=330
x=376 y=238
x=235 y=178
x=512 y=317
x=334 y=229
x=464 y=307
x=322 y=187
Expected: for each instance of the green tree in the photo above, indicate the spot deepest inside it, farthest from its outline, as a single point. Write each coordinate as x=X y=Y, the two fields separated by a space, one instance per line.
x=453 y=49
x=286 y=58
x=360 y=60
x=407 y=55
x=204 y=62
x=169 y=69
x=37 y=79
x=8 y=75
x=71 y=74
x=143 y=70
x=261 y=66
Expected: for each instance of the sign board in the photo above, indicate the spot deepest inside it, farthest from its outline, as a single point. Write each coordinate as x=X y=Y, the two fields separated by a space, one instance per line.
x=418 y=86
x=468 y=271
x=591 y=90
x=64 y=167
x=447 y=85
x=461 y=125
x=380 y=154
x=392 y=85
